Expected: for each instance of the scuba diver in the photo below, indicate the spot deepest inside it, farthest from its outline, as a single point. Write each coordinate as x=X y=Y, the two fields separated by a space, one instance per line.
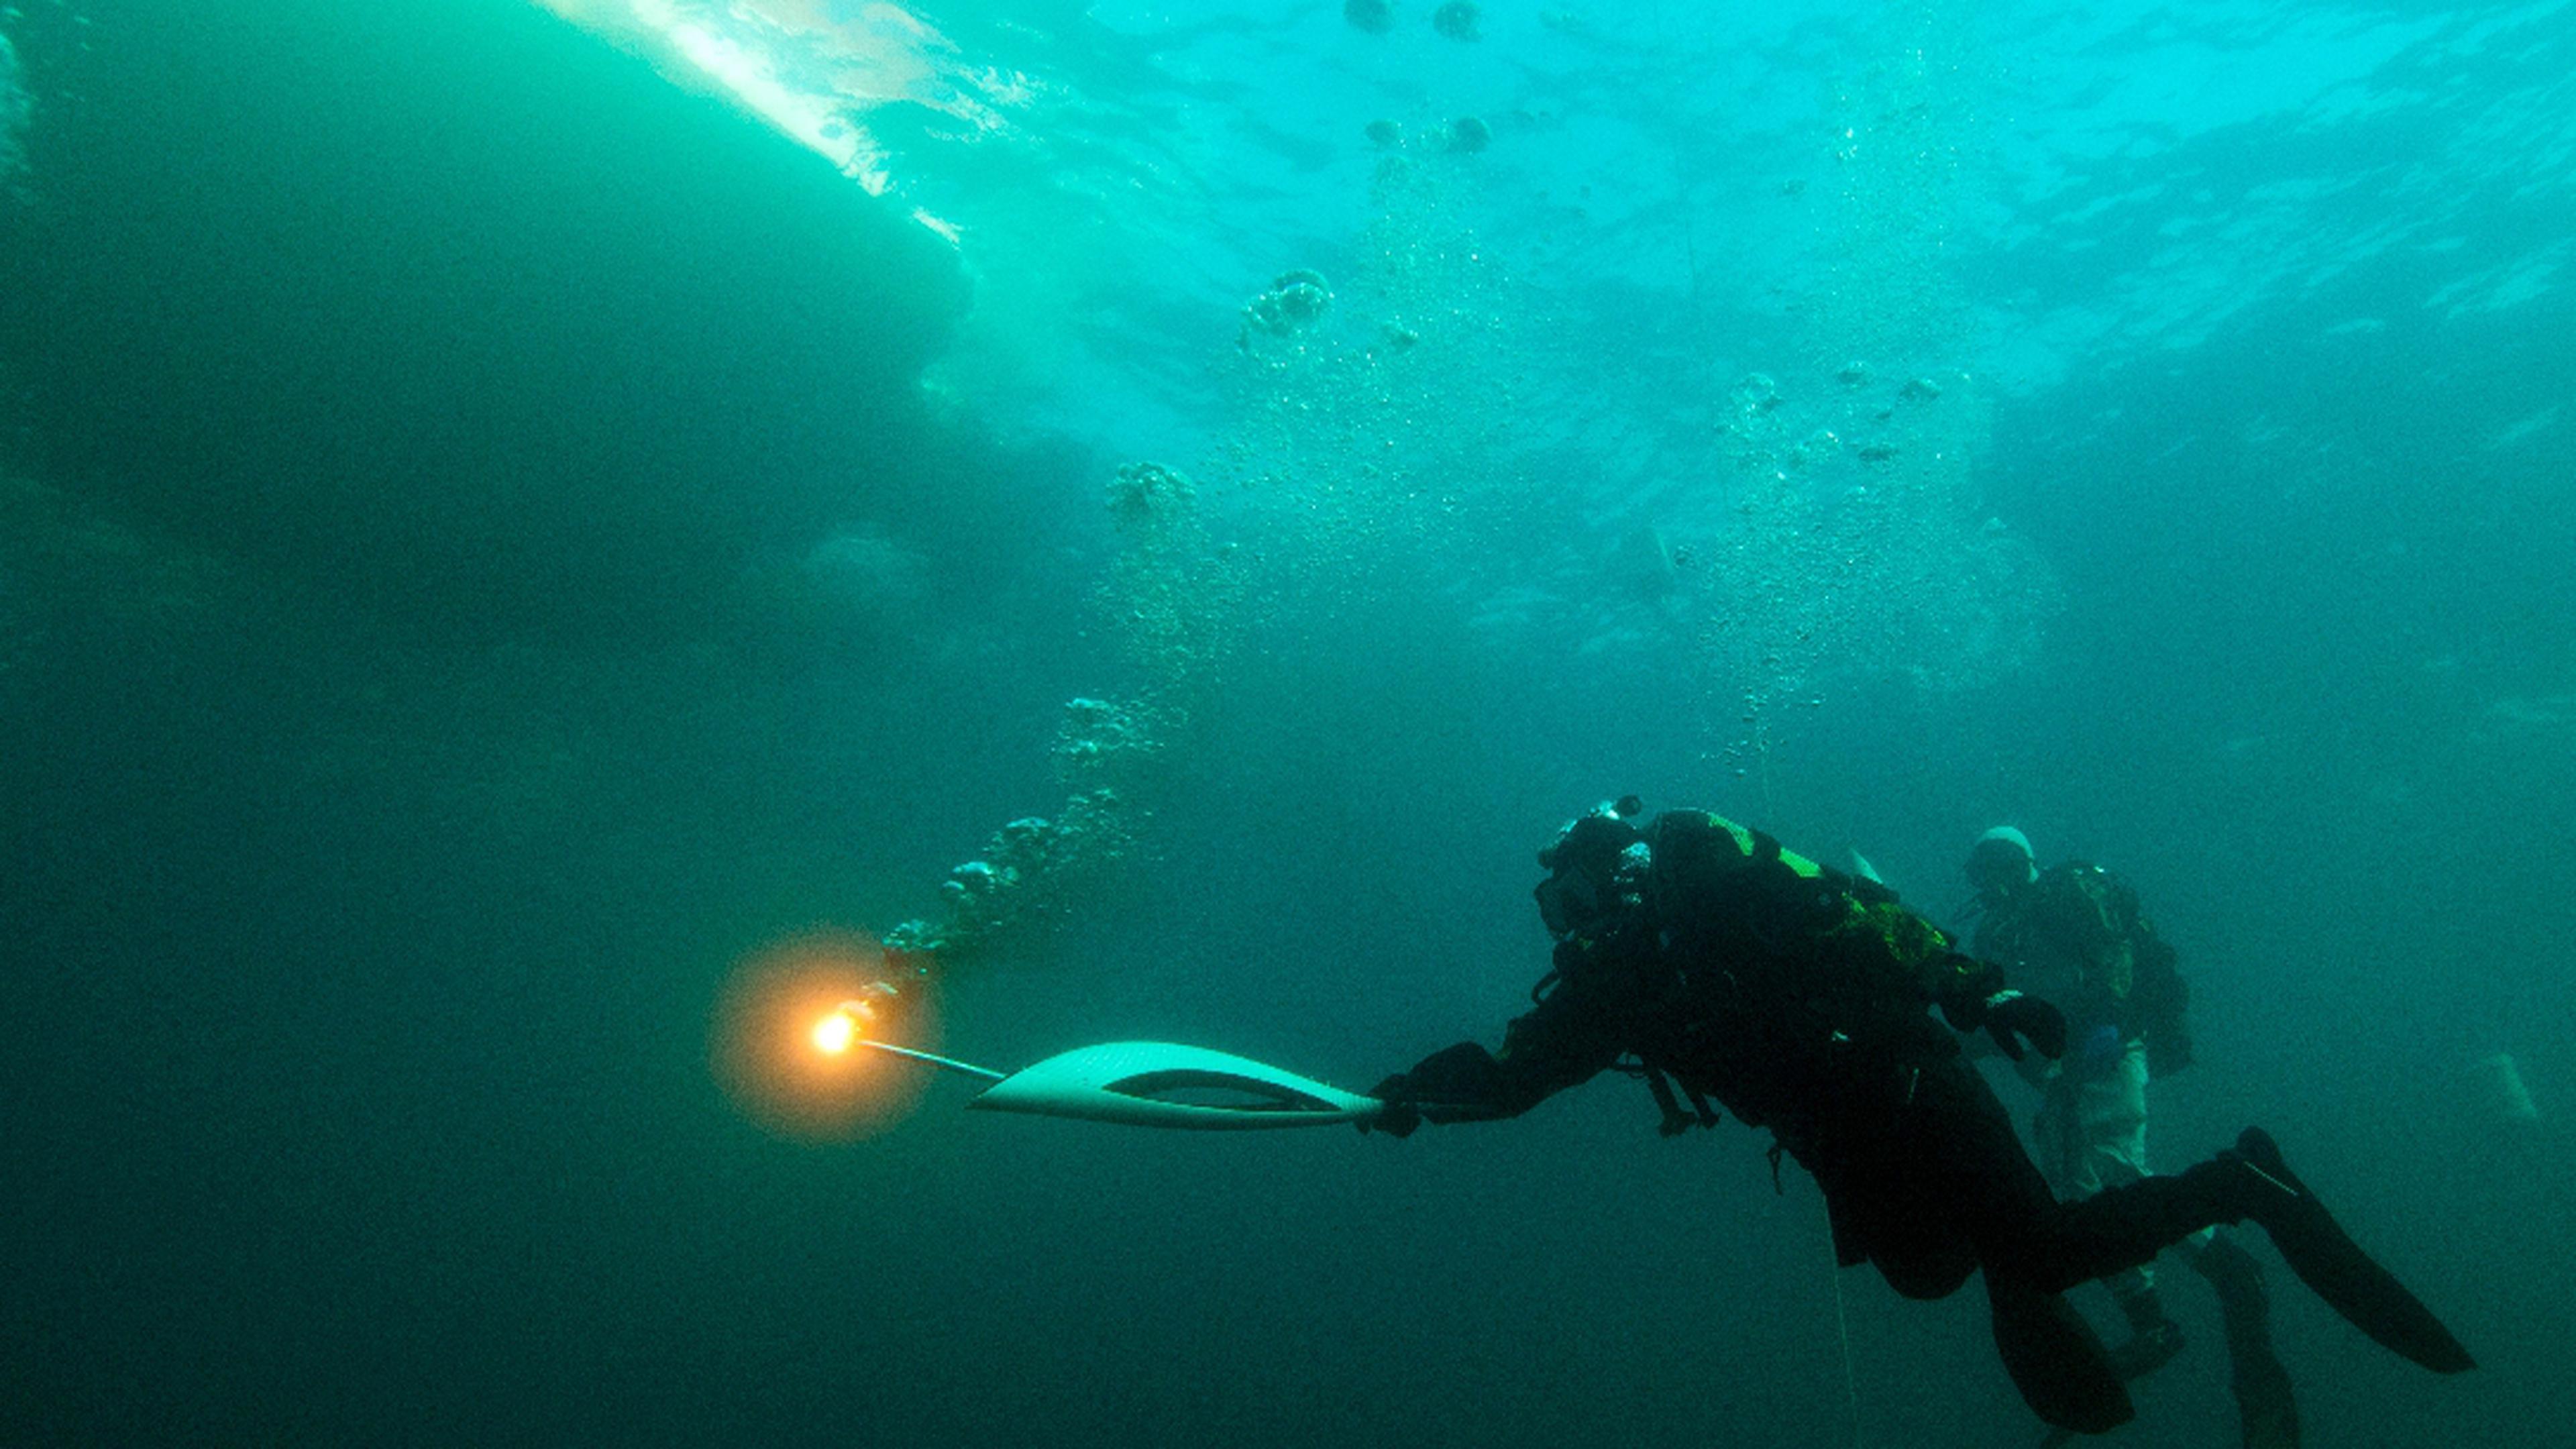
x=1701 y=957
x=2076 y=936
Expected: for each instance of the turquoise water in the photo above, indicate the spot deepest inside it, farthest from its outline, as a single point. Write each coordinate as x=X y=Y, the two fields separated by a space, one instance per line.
x=504 y=514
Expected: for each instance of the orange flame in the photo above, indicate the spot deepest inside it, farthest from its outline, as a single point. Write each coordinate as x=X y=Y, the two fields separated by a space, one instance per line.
x=783 y=1032
x=834 y=1034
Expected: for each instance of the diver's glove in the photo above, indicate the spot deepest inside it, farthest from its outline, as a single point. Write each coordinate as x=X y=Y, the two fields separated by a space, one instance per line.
x=1400 y=1117
x=2007 y=1015
x=1973 y=997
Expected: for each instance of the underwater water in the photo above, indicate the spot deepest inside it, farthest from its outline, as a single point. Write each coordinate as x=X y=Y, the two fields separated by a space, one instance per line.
x=508 y=512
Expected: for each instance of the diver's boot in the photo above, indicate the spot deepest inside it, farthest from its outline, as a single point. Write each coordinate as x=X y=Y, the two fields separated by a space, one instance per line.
x=2154 y=1339
x=2255 y=1183
x=2266 y=1409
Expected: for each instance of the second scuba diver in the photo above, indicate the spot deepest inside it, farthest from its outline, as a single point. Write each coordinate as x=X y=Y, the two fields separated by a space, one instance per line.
x=2076 y=936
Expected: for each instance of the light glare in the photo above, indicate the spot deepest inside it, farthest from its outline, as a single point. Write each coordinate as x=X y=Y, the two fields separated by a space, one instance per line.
x=785 y=1034
x=834 y=1033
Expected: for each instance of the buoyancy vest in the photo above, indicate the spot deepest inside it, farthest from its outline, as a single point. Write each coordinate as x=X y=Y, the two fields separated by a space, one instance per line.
x=2079 y=935
x=1761 y=978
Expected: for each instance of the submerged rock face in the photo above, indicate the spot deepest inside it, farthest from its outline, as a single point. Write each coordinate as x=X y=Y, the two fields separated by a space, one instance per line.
x=510 y=334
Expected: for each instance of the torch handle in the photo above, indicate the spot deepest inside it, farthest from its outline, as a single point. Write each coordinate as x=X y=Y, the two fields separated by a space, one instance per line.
x=951 y=1063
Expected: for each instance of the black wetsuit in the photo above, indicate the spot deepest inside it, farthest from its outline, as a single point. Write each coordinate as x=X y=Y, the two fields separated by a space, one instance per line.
x=1699 y=954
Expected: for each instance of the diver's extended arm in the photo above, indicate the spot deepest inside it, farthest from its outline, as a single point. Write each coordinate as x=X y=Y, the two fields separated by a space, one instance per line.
x=1563 y=1042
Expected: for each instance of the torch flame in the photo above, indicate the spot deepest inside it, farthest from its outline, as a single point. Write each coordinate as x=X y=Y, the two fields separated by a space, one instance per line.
x=786 y=1031
x=834 y=1034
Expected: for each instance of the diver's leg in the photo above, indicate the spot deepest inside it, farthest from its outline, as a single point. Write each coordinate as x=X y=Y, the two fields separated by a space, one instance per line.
x=1961 y=1147
x=2108 y=1113
x=2020 y=1228
x=2154 y=1337
x=2054 y=1358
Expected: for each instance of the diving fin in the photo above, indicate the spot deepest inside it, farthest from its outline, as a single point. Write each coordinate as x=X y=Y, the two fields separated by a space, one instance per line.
x=2331 y=1263
x=2267 y=1409
x=2056 y=1360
